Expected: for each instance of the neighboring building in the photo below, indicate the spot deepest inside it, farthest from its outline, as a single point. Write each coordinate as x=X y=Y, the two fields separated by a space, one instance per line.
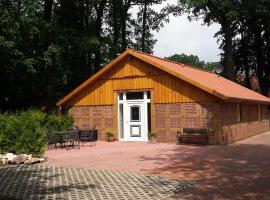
x=254 y=82
x=137 y=92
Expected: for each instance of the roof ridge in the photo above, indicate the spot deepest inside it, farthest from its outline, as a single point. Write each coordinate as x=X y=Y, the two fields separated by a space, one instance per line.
x=178 y=63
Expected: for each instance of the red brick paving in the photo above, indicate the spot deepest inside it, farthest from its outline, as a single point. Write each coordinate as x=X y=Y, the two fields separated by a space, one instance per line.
x=235 y=172
x=138 y=157
x=238 y=171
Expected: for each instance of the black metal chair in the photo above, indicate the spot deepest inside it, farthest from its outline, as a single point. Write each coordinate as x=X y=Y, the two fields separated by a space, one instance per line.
x=84 y=136
x=52 y=139
x=94 y=136
x=73 y=138
x=88 y=136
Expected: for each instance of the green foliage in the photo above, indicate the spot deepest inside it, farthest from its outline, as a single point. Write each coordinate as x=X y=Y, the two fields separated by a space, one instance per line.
x=152 y=134
x=59 y=122
x=193 y=60
x=26 y=132
x=23 y=132
x=47 y=48
x=109 y=133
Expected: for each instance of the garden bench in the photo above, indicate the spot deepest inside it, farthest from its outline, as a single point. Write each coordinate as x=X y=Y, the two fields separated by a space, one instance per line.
x=192 y=135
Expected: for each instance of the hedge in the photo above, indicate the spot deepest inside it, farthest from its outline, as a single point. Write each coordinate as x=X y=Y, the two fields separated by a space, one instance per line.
x=26 y=132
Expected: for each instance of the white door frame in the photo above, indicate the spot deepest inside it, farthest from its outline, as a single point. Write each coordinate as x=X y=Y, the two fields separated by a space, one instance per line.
x=126 y=116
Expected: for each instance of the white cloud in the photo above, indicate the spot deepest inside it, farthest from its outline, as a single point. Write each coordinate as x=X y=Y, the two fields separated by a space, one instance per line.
x=182 y=36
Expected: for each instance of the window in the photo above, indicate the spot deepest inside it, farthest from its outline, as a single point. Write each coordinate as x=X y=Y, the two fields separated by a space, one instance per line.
x=121 y=122
x=259 y=112
x=120 y=96
x=239 y=113
x=149 y=116
x=135 y=113
x=148 y=95
x=134 y=95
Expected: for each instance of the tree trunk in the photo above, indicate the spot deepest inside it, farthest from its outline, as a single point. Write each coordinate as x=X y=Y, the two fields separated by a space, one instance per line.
x=228 y=51
x=98 y=29
x=144 y=25
x=124 y=32
x=48 y=10
x=244 y=48
x=116 y=27
x=263 y=76
x=124 y=15
x=267 y=59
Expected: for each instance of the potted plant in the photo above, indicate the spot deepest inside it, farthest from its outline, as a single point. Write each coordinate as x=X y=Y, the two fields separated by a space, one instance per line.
x=152 y=136
x=110 y=135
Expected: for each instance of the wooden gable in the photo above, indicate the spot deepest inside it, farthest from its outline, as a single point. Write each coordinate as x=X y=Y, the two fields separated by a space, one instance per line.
x=132 y=73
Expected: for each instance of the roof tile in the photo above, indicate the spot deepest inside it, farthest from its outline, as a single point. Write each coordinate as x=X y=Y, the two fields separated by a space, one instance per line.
x=209 y=80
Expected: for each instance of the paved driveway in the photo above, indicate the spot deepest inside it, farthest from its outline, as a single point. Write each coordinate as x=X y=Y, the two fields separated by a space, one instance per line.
x=239 y=171
x=45 y=182
x=136 y=157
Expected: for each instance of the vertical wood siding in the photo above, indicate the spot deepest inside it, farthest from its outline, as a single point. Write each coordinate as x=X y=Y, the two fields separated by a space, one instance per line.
x=134 y=74
x=232 y=130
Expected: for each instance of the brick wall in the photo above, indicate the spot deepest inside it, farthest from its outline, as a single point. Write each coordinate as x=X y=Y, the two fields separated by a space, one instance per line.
x=250 y=125
x=98 y=117
x=170 y=118
x=220 y=119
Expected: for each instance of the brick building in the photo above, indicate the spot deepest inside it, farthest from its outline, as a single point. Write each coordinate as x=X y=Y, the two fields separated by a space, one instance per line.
x=137 y=92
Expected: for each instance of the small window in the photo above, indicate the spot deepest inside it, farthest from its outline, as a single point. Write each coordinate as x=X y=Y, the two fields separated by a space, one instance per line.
x=120 y=96
x=239 y=113
x=134 y=95
x=260 y=112
x=135 y=113
x=148 y=95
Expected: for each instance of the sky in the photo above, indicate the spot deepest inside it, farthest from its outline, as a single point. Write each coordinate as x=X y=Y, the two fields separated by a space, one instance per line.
x=182 y=36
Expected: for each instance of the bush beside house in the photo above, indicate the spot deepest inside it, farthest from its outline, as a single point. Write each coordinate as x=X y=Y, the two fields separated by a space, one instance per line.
x=26 y=132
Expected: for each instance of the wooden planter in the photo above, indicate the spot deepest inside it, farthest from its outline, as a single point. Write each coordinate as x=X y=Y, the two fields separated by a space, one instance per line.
x=153 y=140
x=110 y=139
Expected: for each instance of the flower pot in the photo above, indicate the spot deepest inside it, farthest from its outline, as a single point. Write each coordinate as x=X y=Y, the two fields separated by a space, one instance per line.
x=153 y=140
x=110 y=139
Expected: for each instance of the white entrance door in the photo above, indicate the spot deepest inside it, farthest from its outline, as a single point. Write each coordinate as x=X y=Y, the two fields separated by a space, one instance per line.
x=136 y=124
x=133 y=116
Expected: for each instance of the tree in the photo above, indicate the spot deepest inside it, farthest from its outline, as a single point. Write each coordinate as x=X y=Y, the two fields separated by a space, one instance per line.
x=47 y=47
x=252 y=46
x=193 y=60
x=223 y=12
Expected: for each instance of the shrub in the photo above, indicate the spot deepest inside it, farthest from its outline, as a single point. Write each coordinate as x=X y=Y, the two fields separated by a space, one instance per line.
x=59 y=122
x=152 y=134
x=23 y=132
x=26 y=132
x=32 y=135
x=9 y=124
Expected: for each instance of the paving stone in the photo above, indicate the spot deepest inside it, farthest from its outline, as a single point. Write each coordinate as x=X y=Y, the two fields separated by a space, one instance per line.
x=41 y=181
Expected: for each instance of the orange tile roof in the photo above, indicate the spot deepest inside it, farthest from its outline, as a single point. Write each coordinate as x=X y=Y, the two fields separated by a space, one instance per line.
x=206 y=80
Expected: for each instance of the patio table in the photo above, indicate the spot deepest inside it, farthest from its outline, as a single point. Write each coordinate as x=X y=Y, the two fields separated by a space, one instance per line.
x=68 y=137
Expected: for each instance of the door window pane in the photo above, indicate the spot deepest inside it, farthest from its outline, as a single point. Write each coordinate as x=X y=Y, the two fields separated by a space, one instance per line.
x=120 y=96
x=135 y=113
x=149 y=116
x=121 y=122
x=135 y=131
x=134 y=95
x=148 y=95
